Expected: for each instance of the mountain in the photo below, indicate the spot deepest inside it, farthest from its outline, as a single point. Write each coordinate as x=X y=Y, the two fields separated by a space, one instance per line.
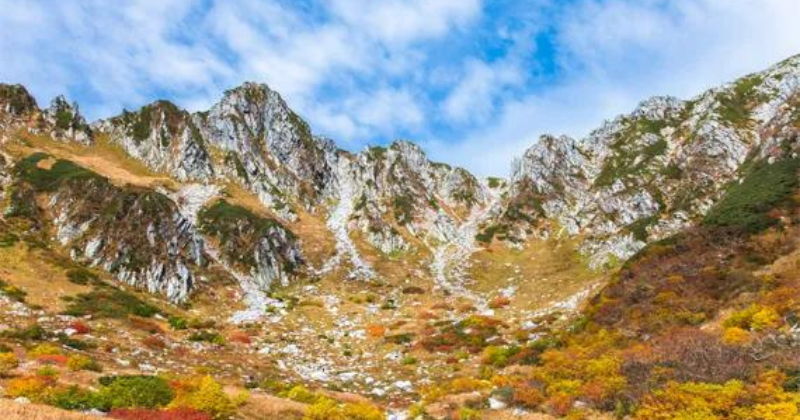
x=645 y=176
x=237 y=239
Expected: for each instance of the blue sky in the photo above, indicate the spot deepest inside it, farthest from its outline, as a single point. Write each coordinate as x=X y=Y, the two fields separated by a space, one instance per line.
x=474 y=82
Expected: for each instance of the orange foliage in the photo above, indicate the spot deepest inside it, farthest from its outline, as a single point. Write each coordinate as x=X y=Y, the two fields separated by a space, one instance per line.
x=241 y=337
x=376 y=331
x=52 y=359
x=499 y=302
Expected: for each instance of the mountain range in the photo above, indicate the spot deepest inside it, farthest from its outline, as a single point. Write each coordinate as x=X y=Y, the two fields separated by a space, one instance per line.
x=241 y=213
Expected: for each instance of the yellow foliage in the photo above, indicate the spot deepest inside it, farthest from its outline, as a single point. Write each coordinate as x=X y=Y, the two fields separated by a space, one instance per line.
x=205 y=394
x=465 y=413
x=324 y=409
x=735 y=335
x=773 y=411
x=565 y=386
x=8 y=361
x=328 y=409
x=33 y=388
x=416 y=410
x=44 y=350
x=754 y=317
x=460 y=385
x=301 y=394
x=79 y=362
x=766 y=400
x=362 y=411
x=764 y=319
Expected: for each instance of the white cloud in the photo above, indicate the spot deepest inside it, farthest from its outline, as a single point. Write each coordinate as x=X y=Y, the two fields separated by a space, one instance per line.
x=472 y=99
x=398 y=23
x=362 y=70
x=615 y=53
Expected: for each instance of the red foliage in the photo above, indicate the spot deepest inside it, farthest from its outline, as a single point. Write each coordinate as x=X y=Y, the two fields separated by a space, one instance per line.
x=499 y=302
x=145 y=325
x=560 y=404
x=169 y=414
x=154 y=342
x=240 y=337
x=80 y=327
x=52 y=359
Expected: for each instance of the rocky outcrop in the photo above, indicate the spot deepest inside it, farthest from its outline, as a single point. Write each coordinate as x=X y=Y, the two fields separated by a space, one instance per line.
x=646 y=175
x=637 y=178
x=163 y=137
x=66 y=122
x=256 y=245
x=267 y=146
x=138 y=235
x=251 y=137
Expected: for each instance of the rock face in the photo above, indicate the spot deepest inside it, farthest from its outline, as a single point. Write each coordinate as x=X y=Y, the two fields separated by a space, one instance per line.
x=252 y=138
x=638 y=178
x=256 y=245
x=164 y=138
x=66 y=121
x=646 y=175
x=138 y=235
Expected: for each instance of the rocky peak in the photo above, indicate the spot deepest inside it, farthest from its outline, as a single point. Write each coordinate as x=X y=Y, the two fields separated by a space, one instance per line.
x=16 y=101
x=271 y=142
x=646 y=174
x=164 y=137
x=66 y=120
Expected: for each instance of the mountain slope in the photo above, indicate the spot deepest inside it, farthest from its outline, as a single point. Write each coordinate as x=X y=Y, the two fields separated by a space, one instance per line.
x=646 y=175
x=237 y=238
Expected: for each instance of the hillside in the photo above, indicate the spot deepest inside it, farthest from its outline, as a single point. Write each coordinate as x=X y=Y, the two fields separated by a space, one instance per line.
x=231 y=263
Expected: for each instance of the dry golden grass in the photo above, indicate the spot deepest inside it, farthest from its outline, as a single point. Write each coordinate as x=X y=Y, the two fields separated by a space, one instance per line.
x=103 y=157
x=544 y=273
x=10 y=410
x=262 y=406
x=43 y=280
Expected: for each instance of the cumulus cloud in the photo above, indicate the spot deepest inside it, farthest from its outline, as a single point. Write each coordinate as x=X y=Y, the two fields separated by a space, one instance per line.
x=475 y=82
x=612 y=54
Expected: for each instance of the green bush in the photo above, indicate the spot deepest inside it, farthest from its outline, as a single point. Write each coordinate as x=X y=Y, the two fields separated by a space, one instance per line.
x=34 y=332
x=108 y=302
x=745 y=206
x=50 y=179
x=81 y=276
x=8 y=239
x=75 y=398
x=208 y=337
x=75 y=343
x=132 y=391
x=13 y=292
x=178 y=323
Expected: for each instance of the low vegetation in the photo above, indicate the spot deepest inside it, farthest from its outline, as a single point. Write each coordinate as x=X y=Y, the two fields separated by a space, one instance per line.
x=750 y=205
x=108 y=302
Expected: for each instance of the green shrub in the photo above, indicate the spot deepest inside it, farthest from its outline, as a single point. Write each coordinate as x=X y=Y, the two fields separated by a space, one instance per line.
x=13 y=292
x=8 y=239
x=178 y=323
x=745 y=206
x=135 y=392
x=75 y=343
x=75 y=398
x=81 y=276
x=208 y=337
x=32 y=333
x=61 y=172
x=108 y=302
x=736 y=105
x=239 y=231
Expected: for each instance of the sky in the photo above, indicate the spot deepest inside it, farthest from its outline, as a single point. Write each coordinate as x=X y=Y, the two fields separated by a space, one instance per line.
x=474 y=82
